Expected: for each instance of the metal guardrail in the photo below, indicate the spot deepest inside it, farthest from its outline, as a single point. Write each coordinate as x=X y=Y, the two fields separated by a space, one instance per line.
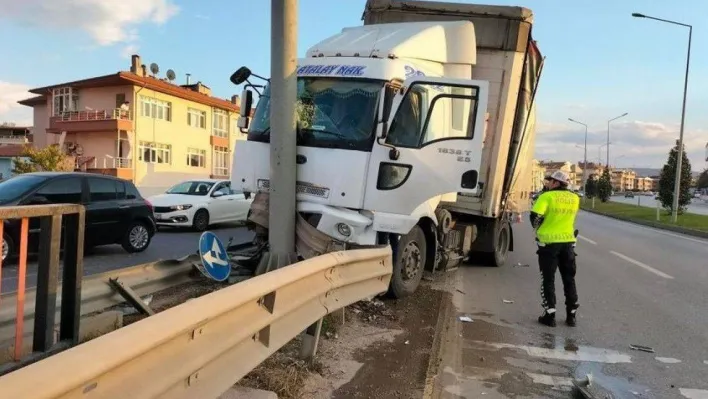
x=201 y=348
x=56 y=222
x=97 y=294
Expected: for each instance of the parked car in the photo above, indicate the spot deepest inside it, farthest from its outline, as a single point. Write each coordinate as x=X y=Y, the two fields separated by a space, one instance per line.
x=629 y=194
x=201 y=203
x=115 y=211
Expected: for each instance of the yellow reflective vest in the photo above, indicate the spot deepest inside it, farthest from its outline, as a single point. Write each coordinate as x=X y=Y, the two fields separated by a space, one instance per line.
x=558 y=209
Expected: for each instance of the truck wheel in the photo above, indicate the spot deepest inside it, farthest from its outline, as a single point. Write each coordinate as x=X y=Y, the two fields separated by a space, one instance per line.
x=501 y=246
x=408 y=265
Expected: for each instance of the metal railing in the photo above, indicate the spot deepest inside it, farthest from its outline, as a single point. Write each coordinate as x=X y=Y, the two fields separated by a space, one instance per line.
x=91 y=162
x=200 y=348
x=14 y=140
x=93 y=115
x=56 y=223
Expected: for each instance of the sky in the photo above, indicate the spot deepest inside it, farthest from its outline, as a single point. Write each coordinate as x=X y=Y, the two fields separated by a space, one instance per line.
x=600 y=61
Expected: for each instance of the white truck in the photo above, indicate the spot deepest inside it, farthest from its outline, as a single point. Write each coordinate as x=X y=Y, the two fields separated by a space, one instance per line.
x=414 y=130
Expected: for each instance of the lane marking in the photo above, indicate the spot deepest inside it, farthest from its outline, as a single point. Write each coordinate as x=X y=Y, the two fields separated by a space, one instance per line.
x=694 y=393
x=583 y=354
x=669 y=360
x=642 y=265
x=587 y=239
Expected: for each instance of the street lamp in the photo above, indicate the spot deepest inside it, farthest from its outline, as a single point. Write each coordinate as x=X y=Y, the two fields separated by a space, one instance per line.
x=585 y=157
x=599 y=154
x=608 y=136
x=679 y=162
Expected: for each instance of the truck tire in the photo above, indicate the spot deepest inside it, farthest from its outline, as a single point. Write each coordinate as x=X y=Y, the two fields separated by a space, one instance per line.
x=408 y=264
x=501 y=245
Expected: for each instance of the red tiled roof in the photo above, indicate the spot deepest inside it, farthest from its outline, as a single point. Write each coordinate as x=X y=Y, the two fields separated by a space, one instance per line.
x=126 y=78
x=8 y=151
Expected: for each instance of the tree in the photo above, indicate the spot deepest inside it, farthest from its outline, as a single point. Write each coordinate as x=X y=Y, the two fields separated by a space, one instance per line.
x=591 y=187
x=604 y=186
x=703 y=180
x=47 y=159
x=667 y=180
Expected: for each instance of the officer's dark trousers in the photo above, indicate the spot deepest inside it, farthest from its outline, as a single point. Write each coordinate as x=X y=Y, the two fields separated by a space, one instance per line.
x=561 y=257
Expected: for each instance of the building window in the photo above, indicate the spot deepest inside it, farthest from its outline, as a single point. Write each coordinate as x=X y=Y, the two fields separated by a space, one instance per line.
x=196 y=118
x=65 y=99
x=220 y=126
x=196 y=157
x=154 y=108
x=221 y=161
x=155 y=152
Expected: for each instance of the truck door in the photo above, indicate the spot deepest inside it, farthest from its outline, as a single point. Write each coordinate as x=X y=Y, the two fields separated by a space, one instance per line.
x=431 y=144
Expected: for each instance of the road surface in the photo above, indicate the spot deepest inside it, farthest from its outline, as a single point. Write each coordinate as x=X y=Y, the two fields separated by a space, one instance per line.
x=637 y=286
x=167 y=244
x=697 y=206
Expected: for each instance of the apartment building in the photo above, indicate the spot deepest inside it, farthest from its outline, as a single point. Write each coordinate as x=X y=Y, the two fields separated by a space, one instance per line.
x=138 y=127
x=538 y=173
x=645 y=183
x=623 y=179
x=14 y=135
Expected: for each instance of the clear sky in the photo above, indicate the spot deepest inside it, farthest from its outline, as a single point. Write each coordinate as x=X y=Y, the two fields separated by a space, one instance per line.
x=600 y=62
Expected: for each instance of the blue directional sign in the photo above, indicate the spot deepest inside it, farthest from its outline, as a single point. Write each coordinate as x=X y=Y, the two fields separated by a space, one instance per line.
x=215 y=260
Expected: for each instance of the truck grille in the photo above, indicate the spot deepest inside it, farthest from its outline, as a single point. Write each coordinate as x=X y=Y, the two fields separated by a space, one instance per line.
x=301 y=188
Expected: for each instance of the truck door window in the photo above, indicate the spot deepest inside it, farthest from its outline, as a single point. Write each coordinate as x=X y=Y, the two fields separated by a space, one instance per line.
x=447 y=112
x=406 y=126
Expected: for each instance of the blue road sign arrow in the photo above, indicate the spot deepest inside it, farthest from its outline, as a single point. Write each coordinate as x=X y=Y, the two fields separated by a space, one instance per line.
x=215 y=261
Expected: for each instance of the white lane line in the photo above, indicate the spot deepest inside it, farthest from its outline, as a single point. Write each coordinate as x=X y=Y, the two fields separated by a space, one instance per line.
x=694 y=393
x=669 y=360
x=583 y=354
x=642 y=265
x=587 y=239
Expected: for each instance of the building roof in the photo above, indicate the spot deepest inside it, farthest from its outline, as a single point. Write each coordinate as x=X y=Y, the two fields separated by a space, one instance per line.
x=11 y=151
x=129 y=78
x=553 y=165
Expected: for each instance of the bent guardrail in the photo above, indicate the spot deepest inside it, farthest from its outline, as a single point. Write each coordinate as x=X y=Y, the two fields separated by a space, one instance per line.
x=56 y=222
x=202 y=347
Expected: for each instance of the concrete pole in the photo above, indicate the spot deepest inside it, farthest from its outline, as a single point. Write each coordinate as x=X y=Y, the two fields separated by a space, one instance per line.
x=679 y=161
x=283 y=87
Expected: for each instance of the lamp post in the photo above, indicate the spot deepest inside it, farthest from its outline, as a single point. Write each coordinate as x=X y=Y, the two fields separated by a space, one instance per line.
x=608 y=135
x=599 y=154
x=679 y=161
x=585 y=157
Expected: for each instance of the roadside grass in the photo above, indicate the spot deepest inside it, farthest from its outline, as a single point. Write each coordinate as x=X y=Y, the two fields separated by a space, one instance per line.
x=641 y=213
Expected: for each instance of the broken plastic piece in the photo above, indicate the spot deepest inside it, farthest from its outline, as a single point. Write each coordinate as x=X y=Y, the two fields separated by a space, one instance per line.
x=466 y=319
x=642 y=348
x=519 y=264
x=507 y=301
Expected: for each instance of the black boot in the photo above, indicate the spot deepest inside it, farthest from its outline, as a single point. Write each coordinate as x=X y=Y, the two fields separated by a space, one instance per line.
x=548 y=318
x=570 y=317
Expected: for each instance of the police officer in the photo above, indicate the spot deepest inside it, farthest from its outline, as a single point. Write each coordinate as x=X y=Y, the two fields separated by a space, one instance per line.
x=553 y=217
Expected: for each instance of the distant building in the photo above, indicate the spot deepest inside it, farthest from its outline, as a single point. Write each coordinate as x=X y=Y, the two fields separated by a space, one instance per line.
x=138 y=127
x=8 y=153
x=538 y=173
x=14 y=135
x=575 y=172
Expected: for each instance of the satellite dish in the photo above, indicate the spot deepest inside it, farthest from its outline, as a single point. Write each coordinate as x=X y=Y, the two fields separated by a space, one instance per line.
x=215 y=261
x=171 y=75
x=154 y=68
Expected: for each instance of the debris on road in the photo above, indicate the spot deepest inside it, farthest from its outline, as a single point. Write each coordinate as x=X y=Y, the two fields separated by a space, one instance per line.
x=466 y=319
x=507 y=301
x=519 y=264
x=642 y=348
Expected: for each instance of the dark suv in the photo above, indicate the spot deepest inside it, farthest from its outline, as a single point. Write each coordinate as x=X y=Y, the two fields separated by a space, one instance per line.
x=115 y=211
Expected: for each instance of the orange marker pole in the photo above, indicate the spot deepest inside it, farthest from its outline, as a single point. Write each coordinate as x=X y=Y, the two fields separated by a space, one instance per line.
x=21 y=277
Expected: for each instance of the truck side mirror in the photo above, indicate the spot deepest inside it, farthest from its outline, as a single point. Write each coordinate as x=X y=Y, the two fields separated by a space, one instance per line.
x=245 y=110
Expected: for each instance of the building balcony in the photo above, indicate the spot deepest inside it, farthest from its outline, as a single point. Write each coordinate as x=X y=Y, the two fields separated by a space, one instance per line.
x=13 y=140
x=91 y=121
x=118 y=167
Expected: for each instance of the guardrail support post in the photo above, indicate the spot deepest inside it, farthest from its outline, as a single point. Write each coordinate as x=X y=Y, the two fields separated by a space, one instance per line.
x=311 y=340
x=47 y=279
x=72 y=276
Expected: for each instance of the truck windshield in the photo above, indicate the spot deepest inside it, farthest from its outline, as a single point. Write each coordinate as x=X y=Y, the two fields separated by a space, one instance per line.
x=331 y=113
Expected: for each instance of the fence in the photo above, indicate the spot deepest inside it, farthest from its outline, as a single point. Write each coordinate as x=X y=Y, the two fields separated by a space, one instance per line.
x=202 y=347
x=93 y=115
x=56 y=222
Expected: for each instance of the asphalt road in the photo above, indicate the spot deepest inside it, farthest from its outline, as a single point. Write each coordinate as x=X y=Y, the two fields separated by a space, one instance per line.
x=167 y=244
x=697 y=206
x=637 y=286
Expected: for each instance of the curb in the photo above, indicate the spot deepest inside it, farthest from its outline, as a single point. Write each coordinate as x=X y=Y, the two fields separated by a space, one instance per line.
x=660 y=226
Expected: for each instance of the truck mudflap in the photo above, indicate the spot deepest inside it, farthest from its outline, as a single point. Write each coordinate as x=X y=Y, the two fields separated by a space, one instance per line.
x=309 y=242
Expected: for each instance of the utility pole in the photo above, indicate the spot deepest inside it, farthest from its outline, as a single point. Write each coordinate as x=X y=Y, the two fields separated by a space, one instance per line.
x=283 y=120
x=585 y=157
x=679 y=160
x=608 y=136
